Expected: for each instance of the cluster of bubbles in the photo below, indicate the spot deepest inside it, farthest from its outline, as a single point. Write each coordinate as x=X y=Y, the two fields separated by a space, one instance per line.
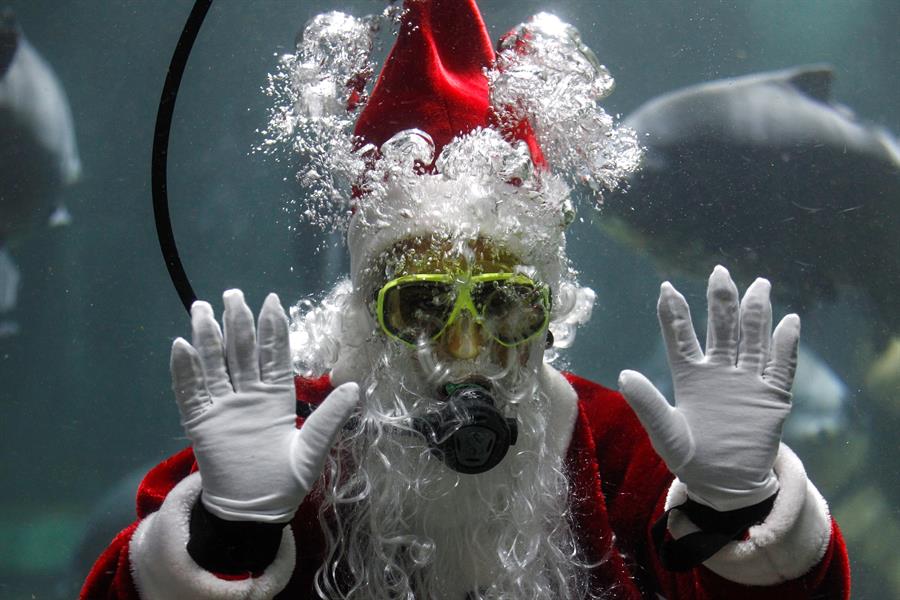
x=481 y=158
x=544 y=73
x=486 y=154
x=318 y=92
x=317 y=330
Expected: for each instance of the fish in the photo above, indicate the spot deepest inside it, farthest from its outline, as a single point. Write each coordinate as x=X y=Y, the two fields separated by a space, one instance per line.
x=38 y=152
x=883 y=381
x=765 y=173
x=822 y=401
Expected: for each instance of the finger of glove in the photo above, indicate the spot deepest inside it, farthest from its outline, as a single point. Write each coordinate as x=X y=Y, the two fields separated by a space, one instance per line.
x=314 y=439
x=207 y=338
x=756 y=326
x=785 y=345
x=188 y=384
x=274 y=346
x=677 y=327
x=722 y=325
x=240 y=341
x=669 y=432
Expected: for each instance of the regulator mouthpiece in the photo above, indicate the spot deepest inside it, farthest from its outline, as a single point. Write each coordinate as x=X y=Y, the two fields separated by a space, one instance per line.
x=468 y=433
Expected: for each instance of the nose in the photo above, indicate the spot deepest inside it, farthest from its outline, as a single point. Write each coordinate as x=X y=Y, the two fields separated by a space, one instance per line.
x=463 y=338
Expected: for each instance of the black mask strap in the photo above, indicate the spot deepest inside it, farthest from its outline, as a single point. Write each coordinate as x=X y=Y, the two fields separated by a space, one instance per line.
x=716 y=530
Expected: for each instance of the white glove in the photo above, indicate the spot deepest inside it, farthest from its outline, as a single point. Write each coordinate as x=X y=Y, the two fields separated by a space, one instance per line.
x=238 y=407
x=723 y=433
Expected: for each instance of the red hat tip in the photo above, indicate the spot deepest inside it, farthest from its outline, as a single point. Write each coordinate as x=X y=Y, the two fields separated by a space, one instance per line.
x=434 y=79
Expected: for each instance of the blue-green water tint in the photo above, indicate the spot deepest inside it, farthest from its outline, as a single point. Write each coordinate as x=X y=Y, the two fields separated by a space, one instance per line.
x=85 y=387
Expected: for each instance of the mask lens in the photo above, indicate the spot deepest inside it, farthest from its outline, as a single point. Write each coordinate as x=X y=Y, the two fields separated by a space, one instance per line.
x=417 y=309
x=513 y=312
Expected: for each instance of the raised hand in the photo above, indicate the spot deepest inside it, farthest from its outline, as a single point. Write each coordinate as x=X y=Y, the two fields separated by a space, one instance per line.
x=723 y=433
x=238 y=407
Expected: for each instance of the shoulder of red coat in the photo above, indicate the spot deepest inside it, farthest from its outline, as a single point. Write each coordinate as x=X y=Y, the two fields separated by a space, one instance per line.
x=588 y=391
x=612 y=422
x=160 y=480
x=600 y=403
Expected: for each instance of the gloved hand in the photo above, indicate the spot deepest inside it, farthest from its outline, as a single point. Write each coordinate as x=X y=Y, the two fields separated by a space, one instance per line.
x=238 y=407
x=723 y=433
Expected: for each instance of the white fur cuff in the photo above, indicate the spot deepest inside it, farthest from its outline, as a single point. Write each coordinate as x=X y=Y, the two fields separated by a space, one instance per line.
x=164 y=570
x=790 y=542
x=563 y=407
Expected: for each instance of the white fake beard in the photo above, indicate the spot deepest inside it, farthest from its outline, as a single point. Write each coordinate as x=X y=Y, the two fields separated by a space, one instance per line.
x=401 y=524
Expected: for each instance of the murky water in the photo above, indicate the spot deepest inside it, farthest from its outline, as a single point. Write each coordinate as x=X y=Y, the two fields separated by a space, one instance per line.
x=261 y=182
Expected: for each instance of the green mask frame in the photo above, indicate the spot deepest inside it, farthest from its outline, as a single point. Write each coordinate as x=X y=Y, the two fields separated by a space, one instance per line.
x=511 y=307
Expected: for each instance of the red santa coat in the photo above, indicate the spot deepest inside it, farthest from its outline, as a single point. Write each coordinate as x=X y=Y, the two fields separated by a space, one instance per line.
x=619 y=487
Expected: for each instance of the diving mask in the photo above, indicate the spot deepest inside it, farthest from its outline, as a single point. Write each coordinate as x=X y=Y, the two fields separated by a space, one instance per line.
x=510 y=307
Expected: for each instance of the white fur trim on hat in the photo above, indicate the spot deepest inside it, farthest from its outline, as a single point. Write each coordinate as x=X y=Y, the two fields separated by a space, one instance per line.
x=790 y=542
x=467 y=197
x=163 y=569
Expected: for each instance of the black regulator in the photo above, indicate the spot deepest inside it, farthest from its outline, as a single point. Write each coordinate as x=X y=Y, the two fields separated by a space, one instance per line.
x=468 y=432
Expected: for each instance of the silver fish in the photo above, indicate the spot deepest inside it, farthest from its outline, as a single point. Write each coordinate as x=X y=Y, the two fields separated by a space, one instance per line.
x=765 y=174
x=38 y=151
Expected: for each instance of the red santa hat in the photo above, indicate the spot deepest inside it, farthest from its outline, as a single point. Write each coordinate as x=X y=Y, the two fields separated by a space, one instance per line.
x=434 y=79
x=434 y=82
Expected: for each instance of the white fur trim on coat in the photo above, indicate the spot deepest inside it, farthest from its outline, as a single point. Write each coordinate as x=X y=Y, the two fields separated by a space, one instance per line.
x=563 y=407
x=163 y=569
x=790 y=542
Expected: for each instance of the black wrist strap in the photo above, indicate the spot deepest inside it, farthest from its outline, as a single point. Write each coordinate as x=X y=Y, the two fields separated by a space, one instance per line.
x=231 y=547
x=716 y=530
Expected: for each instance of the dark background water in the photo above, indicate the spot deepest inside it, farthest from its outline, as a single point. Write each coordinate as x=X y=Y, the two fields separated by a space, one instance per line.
x=85 y=393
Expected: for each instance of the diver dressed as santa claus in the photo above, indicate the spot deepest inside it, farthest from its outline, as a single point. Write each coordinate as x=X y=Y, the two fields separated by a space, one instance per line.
x=430 y=450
